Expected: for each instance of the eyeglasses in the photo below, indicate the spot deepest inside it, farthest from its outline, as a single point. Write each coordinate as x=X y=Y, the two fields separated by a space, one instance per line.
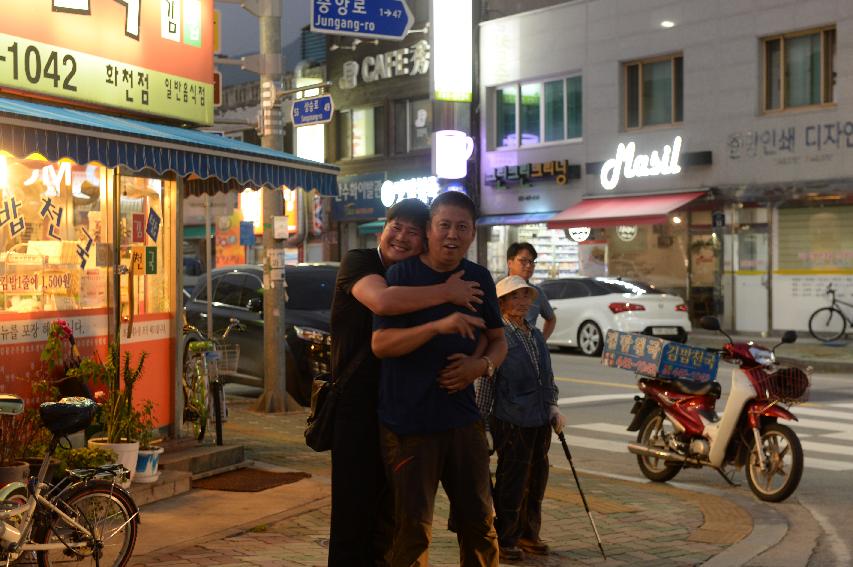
x=525 y=262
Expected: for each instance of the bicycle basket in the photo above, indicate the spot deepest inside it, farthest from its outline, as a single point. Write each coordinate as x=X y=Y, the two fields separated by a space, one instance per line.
x=787 y=384
x=229 y=357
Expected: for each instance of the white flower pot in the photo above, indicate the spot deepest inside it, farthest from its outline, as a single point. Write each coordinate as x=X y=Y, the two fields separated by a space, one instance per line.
x=126 y=454
x=147 y=464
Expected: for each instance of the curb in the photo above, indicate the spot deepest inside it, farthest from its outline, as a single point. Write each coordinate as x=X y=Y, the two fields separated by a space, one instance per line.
x=769 y=527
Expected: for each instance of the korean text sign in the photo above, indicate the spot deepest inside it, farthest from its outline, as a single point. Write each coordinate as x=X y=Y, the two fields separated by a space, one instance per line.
x=153 y=57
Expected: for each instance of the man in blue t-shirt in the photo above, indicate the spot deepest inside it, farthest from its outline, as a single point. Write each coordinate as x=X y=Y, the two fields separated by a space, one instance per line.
x=430 y=426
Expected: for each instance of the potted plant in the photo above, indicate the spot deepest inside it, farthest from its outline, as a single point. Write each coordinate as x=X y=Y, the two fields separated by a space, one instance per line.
x=119 y=419
x=23 y=440
x=148 y=461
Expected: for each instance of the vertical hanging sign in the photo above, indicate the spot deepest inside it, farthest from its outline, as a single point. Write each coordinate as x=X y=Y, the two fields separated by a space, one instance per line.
x=452 y=41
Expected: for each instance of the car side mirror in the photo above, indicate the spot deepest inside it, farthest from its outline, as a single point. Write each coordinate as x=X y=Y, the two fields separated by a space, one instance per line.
x=255 y=304
x=710 y=323
x=789 y=337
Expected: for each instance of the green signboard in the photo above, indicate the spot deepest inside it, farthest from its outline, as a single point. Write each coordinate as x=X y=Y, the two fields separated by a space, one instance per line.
x=53 y=71
x=150 y=259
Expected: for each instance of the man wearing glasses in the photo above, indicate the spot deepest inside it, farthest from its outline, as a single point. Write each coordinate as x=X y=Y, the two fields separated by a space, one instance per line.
x=521 y=261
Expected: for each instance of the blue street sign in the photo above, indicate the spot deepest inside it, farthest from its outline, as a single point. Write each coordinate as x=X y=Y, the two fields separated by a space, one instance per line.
x=371 y=19
x=314 y=110
x=247 y=233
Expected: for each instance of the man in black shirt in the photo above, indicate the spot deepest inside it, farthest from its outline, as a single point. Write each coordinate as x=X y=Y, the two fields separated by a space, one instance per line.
x=362 y=507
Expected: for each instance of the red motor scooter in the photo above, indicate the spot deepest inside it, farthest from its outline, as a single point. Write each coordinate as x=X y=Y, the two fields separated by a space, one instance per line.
x=678 y=425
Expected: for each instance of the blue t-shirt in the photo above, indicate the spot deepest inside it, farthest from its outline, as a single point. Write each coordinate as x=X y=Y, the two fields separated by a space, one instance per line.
x=410 y=400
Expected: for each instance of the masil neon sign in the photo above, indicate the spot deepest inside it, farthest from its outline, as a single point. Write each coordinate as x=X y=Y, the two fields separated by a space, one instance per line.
x=640 y=165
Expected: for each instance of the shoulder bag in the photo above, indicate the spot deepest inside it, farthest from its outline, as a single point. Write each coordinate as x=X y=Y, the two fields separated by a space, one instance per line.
x=325 y=390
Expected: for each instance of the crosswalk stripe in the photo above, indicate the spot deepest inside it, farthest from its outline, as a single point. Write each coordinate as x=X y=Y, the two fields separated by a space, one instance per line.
x=620 y=447
x=827 y=448
x=826 y=464
x=580 y=400
x=606 y=428
x=820 y=424
x=845 y=405
x=848 y=415
x=590 y=443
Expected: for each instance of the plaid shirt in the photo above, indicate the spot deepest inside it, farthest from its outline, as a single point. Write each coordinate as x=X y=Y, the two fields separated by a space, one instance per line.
x=524 y=333
x=484 y=395
x=484 y=387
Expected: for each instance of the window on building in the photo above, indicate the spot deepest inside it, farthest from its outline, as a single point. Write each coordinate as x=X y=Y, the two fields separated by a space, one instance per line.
x=361 y=132
x=538 y=112
x=654 y=92
x=799 y=69
x=412 y=125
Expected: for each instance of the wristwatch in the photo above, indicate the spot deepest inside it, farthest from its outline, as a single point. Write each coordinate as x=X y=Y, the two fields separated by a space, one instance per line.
x=490 y=367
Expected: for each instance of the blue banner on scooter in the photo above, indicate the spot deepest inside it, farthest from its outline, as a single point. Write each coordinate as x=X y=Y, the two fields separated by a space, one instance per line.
x=658 y=358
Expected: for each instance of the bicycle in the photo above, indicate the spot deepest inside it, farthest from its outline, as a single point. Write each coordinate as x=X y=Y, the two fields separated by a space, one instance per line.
x=86 y=517
x=201 y=386
x=829 y=324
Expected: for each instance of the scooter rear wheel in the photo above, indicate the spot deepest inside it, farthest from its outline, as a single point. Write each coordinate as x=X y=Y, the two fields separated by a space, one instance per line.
x=783 y=456
x=652 y=434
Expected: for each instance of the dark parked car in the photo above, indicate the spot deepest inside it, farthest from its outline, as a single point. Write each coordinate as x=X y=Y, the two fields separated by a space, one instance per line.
x=238 y=294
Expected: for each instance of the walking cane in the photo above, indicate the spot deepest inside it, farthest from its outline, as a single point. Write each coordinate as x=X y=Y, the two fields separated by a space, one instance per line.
x=588 y=513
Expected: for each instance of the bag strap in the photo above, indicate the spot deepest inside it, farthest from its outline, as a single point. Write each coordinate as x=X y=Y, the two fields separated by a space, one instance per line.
x=341 y=380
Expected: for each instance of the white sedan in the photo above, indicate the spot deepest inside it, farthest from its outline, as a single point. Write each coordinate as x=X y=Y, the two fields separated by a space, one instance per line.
x=587 y=307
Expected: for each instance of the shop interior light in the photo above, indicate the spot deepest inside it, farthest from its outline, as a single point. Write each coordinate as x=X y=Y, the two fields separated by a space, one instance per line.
x=667 y=24
x=252 y=206
x=676 y=220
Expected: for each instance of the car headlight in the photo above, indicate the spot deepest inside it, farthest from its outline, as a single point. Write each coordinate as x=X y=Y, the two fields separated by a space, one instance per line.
x=762 y=356
x=312 y=335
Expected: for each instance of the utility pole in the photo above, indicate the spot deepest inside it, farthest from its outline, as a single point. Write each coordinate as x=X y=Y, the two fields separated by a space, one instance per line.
x=274 y=398
x=268 y=65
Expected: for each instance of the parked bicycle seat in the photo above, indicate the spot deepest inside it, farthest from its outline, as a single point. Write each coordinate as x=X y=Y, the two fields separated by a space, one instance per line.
x=68 y=415
x=11 y=404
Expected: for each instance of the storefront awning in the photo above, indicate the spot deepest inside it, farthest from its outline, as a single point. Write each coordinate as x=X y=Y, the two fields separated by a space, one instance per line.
x=210 y=162
x=527 y=218
x=372 y=227
x=615 y=211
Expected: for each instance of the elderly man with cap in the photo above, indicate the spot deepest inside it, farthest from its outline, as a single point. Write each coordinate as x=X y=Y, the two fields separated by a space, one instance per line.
x=525 y=410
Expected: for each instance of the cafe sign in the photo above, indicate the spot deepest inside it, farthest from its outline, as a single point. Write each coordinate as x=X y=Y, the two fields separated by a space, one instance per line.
x=631 y=164
x=153 y=57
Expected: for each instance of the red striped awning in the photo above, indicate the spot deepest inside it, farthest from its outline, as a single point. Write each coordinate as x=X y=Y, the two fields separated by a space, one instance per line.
x=616 y=211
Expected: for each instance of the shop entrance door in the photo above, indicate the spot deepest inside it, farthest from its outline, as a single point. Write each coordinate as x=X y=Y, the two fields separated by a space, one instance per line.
x=751 y=278
x=705 y=252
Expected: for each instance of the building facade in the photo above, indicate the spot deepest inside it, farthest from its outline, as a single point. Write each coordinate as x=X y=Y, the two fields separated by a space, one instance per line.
x=699 y=145
x=381 y=136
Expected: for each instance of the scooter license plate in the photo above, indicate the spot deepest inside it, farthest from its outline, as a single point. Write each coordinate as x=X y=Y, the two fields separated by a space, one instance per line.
x=664 y=330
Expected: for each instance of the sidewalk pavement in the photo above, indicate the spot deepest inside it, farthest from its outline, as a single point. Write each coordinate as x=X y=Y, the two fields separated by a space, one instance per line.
x=640 y=523
x=822 y=357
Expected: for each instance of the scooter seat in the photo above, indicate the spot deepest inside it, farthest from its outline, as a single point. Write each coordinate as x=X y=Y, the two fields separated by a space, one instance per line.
x=68 y=415
x=712 y=388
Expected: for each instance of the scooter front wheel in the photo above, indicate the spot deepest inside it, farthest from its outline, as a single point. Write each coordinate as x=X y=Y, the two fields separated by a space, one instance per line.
x=783 y=458
x=653 y=434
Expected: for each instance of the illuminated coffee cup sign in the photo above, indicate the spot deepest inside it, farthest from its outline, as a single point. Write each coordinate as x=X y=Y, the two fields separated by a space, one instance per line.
x=450 y=152
x=632 y=165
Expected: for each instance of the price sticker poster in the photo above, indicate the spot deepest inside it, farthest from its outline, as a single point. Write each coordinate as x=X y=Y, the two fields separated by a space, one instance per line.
x=153 y=57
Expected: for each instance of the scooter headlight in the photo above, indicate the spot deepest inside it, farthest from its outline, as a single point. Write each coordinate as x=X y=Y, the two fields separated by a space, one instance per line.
x=762 y=356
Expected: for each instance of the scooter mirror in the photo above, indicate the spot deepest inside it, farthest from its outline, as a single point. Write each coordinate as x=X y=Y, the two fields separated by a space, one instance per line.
x=710 y=323
x=789 y=337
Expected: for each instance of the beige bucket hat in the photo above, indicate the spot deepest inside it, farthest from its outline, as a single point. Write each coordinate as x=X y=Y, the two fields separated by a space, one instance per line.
x=511 y=283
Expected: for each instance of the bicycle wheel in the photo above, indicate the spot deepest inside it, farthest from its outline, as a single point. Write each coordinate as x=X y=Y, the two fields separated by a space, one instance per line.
x=103 y=509
x=827 y=324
